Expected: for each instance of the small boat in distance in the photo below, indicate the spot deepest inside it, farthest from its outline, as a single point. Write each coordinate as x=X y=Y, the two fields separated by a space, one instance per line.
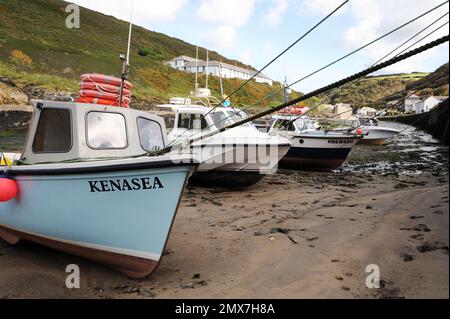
x=87 y=185
x=372 y=132
x=311 y=149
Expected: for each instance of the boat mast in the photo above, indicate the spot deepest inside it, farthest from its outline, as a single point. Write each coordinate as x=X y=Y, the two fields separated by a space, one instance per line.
x=220 y=78
x=196 y=73
x=207 y=67
x=126 y=59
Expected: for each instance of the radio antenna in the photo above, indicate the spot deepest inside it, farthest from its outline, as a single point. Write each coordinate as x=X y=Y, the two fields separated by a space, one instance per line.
x=126 y=59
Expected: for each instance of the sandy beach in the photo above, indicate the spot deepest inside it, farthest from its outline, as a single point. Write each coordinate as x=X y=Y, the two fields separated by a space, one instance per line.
x=294 y=235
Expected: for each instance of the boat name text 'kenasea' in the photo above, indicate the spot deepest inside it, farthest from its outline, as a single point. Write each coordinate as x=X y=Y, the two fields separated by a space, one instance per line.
x=124 y=185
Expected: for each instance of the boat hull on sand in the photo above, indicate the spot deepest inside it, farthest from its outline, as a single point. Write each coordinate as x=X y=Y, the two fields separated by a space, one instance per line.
x=118 y=212
x=318 y=153
x=375 y=135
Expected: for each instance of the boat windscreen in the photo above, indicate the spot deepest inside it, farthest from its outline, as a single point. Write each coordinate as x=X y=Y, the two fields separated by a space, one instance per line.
x=304 y=123
x=224 y=118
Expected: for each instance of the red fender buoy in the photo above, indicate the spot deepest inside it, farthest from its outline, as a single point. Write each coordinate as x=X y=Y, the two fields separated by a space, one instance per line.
x=359 y=131
x=8 y=189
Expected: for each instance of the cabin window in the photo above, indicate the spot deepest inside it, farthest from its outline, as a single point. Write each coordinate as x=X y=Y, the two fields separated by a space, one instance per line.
x=284 y=125
x=106 y=131
x=54 y=132
x=150 y=134
x=192 y=121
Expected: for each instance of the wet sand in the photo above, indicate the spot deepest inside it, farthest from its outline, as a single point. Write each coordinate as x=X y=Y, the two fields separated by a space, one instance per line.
x=293 y=235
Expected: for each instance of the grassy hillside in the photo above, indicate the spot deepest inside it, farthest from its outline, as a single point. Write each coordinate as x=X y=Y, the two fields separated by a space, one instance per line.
x=369 y=90
x=439 y=86
x=36 y=49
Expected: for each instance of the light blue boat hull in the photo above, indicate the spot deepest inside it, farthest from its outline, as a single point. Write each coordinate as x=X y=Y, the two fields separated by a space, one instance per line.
x=125 y=228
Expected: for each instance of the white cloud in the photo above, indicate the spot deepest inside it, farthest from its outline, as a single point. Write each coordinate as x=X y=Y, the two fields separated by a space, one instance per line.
x=144 y=10
x=223 y=37
x=374 y=18
x=227 y=12
x=321 y=7
x=275 y=13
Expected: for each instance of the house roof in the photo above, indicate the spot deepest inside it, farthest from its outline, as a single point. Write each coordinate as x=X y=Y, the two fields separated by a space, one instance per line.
x=193 y=62
x=185 y=58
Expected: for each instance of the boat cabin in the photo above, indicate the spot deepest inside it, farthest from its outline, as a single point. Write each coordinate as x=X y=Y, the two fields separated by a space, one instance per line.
x=366 y=121
x=196 y=118
x=69 y=131
x=291 y=124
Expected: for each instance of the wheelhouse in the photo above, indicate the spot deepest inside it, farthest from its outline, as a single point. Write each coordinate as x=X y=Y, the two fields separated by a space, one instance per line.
x=292 y=124
x=68 y=131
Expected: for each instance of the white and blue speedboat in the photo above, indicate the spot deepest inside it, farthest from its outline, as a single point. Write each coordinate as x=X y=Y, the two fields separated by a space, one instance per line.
x=312 y=149
x=87 y=185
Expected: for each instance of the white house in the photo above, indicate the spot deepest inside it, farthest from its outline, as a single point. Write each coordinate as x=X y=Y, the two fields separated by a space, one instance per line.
x=180 y=62
x=428 y=104
x=343 y=111
x=216 y=68
x=409 y=103
x=366 y=112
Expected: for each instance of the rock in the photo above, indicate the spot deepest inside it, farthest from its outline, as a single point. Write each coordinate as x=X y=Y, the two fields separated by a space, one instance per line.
x=279 y=230
x=369 y=207
x=339 y=278
x=188 y=286
x=312 y=239
x=345 y=288
x=12 y=95
x=427 y=246
x=407 y=257
x=422 y=227
x=417 y=236
x=416 y=217
x=196 y=276
x=202 y=283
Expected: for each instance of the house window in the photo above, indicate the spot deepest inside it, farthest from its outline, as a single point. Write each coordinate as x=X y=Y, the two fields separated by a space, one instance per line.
x=150 y=134
x=54 y=132
x=106 y=131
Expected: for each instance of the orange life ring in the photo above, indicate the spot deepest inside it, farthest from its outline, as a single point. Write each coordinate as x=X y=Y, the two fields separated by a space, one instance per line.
x=103 y=87
x=104 y=95
x=93 y=100
x=101 y=78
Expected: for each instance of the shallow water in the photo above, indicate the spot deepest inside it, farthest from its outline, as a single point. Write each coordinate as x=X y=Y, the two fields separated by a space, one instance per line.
x=412 y=152
x=12 y=140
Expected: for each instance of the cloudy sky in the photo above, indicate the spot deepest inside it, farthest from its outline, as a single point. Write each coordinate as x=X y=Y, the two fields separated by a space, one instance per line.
x=255 y=31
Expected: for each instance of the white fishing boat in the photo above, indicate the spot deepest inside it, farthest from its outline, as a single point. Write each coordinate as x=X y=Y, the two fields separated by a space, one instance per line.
x=372 y=132
x=312 y=149
x=240 y=156
x=86 y=185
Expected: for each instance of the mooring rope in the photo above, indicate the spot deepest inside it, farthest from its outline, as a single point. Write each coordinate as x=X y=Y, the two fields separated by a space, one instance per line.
x=321 y=69
x=324 y=89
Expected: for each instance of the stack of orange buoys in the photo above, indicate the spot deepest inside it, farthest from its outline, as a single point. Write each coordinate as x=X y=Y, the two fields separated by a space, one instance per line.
x=295 y=110
x=103 y=89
